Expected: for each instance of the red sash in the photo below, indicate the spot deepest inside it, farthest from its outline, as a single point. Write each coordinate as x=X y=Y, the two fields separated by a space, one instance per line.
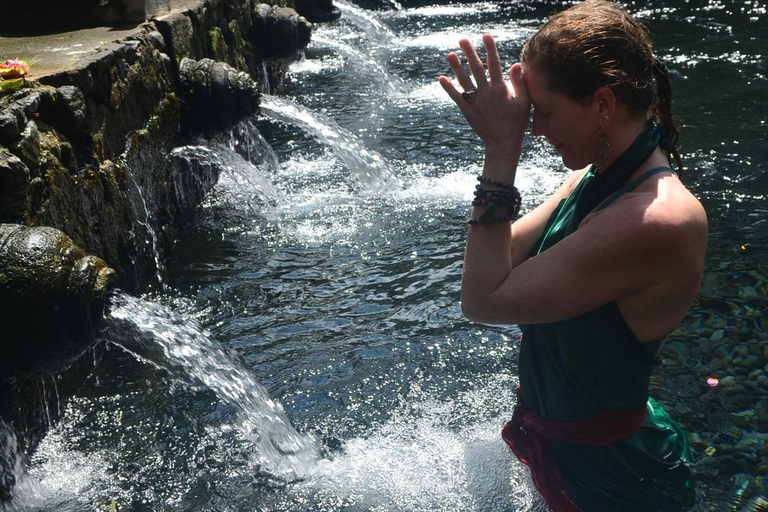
x=527 y=434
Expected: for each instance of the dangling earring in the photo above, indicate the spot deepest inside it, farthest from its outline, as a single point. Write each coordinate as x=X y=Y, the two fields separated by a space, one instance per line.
x=603 y=147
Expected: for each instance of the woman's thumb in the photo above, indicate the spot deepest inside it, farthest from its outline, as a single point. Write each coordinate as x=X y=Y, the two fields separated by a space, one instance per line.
x=518 y=81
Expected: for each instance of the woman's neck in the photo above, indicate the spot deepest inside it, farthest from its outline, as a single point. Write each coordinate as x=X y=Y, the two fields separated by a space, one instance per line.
x=621 y=134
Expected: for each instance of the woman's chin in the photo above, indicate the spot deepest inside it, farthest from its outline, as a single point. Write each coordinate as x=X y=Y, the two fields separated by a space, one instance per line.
x=573 y=163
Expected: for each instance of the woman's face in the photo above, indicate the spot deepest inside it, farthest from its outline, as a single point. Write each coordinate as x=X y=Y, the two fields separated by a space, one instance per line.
x=570 y=126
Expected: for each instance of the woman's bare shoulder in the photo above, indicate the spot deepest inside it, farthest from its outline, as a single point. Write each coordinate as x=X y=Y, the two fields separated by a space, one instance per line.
x=662 y=214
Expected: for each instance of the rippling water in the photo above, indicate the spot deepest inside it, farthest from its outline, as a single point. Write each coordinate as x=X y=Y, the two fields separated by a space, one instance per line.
x=329 y=268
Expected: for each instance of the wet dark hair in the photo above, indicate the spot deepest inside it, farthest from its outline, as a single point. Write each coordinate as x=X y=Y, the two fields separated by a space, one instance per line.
x=598 y=44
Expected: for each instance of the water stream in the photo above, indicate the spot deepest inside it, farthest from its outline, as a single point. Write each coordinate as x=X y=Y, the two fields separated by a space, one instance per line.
x=308 y=352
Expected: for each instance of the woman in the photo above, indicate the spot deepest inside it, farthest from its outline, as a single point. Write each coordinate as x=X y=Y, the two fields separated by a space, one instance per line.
x=600 y=272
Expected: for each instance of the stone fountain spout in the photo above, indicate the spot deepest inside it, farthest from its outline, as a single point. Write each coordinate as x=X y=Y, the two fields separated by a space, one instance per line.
x=52 y=298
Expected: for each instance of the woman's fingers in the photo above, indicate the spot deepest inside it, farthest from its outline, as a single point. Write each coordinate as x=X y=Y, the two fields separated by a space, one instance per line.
x=493 y=60
x=448 y=86
x=476 y=65
x=465 y=81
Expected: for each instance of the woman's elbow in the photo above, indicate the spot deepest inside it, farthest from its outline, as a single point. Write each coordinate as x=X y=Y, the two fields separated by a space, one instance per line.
x=468 y=311
x=476 y=310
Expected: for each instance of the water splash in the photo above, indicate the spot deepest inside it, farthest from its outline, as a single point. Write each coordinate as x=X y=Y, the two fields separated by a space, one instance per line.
x=11 y=456
x=180 y=346
x=418 y=460
x=363 y=63
x=247 y=140
x=368 y=167
x=375 y=30
x=246 y=176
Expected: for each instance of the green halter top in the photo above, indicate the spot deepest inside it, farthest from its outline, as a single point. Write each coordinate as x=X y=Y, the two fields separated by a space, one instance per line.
x=578 y=368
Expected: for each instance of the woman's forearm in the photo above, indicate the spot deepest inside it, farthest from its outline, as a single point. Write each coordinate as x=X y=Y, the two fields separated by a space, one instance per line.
x=488 y=255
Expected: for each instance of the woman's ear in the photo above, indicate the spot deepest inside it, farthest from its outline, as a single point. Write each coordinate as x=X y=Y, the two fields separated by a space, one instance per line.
x=604 y=102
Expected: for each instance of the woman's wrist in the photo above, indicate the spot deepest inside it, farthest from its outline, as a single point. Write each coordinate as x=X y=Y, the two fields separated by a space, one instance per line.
x=501 y=163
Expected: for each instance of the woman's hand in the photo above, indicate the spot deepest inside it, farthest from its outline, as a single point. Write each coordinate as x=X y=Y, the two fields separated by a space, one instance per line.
x=499 y=110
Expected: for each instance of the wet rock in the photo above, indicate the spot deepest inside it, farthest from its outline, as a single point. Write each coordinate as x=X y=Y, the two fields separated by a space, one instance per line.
x=157 y=40
x=741 y=350
x=14 y=198
x=318 y=11
x=29 y=104
x=178 y=33
x=761 y=412
x=130 y=50
x=279 y=32
x=707 y=462
x=215 y=95
x=9 y=128
x=720 y=421
x=70 y=109
x=28 y=148
x=51 y=298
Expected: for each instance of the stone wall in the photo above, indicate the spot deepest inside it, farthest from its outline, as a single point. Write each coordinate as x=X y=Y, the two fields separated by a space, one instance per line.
x=85 y=150
x=85 y=157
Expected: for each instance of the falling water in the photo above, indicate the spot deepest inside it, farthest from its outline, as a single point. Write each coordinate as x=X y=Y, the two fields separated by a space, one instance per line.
x=147 y=225
x=178 y=345
x=362 y=64
x=247 y=140
x=249 y=181
x=366 y=166
x=11 y=456
x=375 y=30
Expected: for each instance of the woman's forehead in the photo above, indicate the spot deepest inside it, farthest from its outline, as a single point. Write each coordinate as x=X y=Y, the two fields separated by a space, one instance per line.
x=535 y=80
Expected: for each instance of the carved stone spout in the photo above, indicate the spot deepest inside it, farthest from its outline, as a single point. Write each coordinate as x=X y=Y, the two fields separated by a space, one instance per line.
x=51 y=299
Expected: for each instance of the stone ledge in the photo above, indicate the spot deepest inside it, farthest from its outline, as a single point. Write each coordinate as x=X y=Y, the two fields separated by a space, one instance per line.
x=78 y=131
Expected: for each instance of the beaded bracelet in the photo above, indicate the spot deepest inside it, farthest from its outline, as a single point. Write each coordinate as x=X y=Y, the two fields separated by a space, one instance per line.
x=509 y=197
x=484 y=196
x=482 y=191
x=491 y=181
